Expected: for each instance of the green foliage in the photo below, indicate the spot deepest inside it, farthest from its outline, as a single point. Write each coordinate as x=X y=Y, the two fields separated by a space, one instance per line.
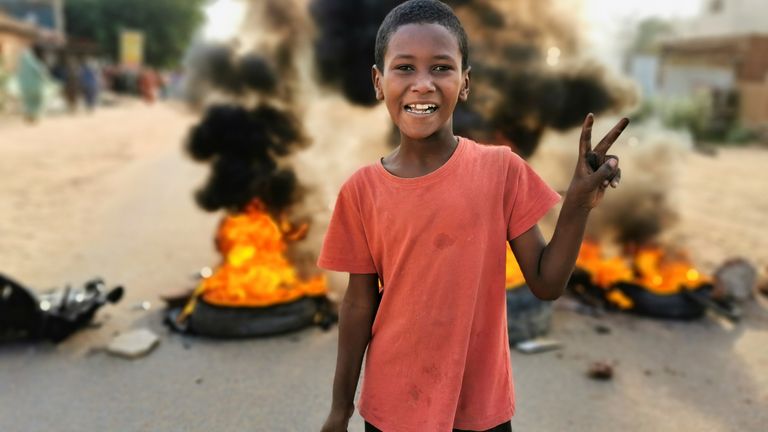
x=168 y=25
x=693 y=114
x=705 y=118
x=740 y=135
x=648 y=35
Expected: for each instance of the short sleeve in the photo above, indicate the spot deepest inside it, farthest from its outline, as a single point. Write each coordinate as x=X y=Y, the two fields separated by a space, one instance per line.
x=527 y=198
x=345 y=247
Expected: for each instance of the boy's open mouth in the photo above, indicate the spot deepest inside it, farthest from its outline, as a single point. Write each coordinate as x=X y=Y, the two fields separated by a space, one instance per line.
x=421 y=108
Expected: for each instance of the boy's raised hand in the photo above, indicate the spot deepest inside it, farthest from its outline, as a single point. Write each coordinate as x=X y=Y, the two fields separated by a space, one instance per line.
x=595 y=170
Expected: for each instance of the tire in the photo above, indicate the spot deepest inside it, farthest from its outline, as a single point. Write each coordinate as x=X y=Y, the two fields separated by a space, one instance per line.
x=236 y=322
x=527 y=316
x=672 y=306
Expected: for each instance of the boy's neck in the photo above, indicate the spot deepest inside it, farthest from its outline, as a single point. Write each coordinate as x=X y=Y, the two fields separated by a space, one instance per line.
x=415 y=158
x=439 y=145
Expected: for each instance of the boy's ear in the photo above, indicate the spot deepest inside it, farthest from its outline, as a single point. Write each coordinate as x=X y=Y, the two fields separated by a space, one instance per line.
x=376 y=77
x=464 y=94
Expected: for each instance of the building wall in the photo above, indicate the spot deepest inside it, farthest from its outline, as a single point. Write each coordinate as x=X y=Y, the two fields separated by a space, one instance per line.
x=11 y=46
x=730 y=62
x=43 y=13
x=644 y=69
x=753 y=103
x=729 y=17
x=686 y=80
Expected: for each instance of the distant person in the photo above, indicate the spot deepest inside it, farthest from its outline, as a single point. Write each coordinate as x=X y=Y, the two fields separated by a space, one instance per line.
x=148 y=85
x=90 y=82
x=67 y=73
x=423 y=233
x=33 y=77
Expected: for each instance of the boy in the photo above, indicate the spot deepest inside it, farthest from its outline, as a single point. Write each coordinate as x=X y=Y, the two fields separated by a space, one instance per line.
x=422 y=235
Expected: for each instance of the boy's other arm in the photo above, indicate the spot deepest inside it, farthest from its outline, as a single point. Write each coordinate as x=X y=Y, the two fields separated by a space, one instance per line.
x=358 y=308
x=547 y=267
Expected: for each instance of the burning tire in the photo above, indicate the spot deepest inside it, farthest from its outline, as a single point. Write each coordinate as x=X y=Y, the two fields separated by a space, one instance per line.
x=235 y=322
x=682 y=305
x=527 y=316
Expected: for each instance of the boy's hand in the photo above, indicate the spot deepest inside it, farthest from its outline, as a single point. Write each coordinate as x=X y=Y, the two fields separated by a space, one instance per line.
x=595 y=170
x=337 y=421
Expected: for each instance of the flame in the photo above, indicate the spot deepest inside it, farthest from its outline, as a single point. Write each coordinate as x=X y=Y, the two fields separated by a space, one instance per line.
x=514 y=276
x=255 y=271
x=654 y=269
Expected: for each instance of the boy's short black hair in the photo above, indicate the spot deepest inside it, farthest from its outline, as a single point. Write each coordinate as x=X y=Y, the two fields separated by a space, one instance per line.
x=420 y=12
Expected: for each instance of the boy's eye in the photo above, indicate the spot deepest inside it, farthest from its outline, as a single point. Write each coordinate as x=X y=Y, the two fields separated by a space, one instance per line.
x=404 y=67
x=442 y=68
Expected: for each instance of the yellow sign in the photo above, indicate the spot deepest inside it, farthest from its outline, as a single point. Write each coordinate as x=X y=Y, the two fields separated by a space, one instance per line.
x=131 y=48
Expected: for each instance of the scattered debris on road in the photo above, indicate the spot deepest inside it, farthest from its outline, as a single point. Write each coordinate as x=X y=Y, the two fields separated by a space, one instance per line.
x=52 y=315
x=602 y=329
x=735 y=279
x=134 y=344
x=600 y=370
x=534 y=346
x=142 y=306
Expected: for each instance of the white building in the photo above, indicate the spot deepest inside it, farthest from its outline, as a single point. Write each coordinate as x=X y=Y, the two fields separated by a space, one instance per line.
x=728 y=18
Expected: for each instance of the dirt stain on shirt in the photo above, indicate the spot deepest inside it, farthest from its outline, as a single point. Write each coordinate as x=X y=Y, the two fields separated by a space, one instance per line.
x=443 y=241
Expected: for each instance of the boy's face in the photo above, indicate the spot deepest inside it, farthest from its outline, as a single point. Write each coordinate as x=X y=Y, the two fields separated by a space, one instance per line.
x=422 y=79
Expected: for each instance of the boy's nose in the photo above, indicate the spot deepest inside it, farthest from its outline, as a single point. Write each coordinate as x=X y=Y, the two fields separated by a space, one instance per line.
x=423 y=84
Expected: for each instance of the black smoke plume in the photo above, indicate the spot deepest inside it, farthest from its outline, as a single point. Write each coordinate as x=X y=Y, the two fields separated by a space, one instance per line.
x=345 y=44
x=216 y=65
x=244 y=147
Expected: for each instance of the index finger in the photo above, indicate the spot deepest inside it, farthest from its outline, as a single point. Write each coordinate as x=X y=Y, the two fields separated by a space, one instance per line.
x=608 y=140
x=585 y=142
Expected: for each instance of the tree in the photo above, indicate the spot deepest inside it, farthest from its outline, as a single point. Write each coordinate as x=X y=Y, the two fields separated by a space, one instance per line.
x=168 y=25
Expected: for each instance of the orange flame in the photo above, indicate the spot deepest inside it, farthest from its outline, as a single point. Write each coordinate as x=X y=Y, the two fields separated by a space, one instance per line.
x=651 y=267
x=514 y=276
x=656 y=270
x=255 y=271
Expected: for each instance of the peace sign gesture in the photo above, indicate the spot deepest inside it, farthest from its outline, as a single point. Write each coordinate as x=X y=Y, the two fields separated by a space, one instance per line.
x=595 y=169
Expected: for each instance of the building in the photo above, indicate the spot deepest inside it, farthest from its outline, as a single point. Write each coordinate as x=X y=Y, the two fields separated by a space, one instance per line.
x=15 y=36
x=723 y=51
x=728 y=18
x=46 y=14
x=734 y=63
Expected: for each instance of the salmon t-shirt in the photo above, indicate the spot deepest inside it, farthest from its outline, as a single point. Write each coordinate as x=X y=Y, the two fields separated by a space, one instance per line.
x=438 y=357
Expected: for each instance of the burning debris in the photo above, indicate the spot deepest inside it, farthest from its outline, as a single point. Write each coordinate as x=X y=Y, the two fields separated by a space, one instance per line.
x=256 y=290
x=648 y=281
x=635 y=265
x=53 y=315
x=255 y=271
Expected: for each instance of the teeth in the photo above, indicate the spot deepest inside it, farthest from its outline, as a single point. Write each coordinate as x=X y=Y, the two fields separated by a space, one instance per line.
x=421 y=108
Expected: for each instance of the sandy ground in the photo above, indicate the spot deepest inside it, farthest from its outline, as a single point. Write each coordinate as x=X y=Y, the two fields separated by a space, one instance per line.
x=109 y=195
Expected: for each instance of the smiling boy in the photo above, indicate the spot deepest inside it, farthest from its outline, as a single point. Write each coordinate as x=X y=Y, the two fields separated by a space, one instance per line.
x=422 y=234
